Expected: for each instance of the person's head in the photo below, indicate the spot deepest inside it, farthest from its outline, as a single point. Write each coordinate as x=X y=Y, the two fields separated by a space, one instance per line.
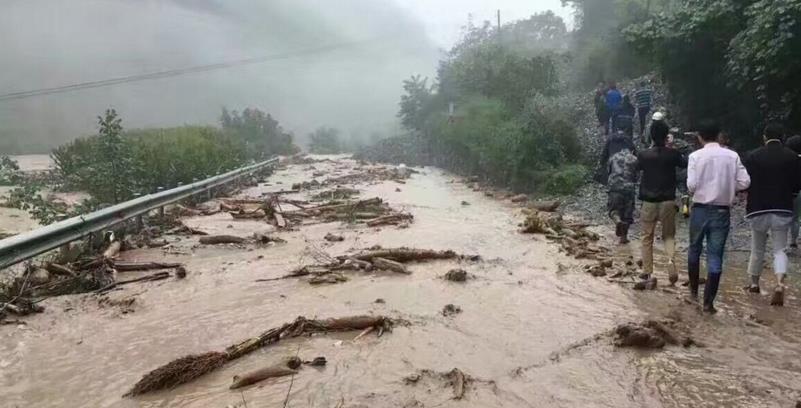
x=708 y=131
x=659 y=133
x=773 y=131
x=612 y=85
x=626 y=100
x=643 y=84
x=724 y=139
x=601 y=85
x=794 y=144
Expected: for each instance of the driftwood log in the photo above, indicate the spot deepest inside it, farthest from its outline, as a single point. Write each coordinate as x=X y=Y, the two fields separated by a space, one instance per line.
x=221 y=239
x=392 y=219
x=388 y=265
x=287 y=366
x=190 y=367
x=404 y=255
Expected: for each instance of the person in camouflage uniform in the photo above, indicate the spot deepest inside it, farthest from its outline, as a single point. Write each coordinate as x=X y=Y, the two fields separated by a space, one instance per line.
x=621 y=163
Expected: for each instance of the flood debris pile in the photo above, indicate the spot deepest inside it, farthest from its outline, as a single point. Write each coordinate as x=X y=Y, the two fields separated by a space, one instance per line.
x=283 y=213
x=373 y=212
x=98 y=274
x=651 y=334
x=373 y=174
x=576 y=240
x=392 y=260
x=188 y=368
x=335 y=194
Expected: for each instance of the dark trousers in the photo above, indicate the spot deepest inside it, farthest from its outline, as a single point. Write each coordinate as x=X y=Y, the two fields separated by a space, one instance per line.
x=643 y=115
x=710 y=223
x=620 y=205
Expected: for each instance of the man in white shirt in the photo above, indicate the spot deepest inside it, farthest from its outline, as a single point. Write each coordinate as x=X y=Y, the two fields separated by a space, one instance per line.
x=714 y=176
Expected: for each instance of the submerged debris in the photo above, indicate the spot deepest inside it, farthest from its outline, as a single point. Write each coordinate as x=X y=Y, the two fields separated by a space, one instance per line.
x=334 y=238
x=455 y=378
x=651 y=334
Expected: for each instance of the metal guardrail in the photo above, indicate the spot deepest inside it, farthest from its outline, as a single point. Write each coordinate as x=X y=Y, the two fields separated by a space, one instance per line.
x=30 y=244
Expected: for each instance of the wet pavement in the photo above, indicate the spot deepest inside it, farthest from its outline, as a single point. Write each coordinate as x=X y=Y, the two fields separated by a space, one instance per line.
x=526 y=333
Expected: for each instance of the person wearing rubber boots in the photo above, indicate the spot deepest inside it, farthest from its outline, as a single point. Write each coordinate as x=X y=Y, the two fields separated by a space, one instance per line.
x=714 y=175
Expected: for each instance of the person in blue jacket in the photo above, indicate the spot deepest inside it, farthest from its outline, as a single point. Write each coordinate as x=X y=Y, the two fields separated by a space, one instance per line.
x=614 y=102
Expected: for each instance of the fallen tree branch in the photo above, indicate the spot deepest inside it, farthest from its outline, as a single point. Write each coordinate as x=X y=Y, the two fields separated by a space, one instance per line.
x=188 y=368
x=144 y=266
x=148 y=278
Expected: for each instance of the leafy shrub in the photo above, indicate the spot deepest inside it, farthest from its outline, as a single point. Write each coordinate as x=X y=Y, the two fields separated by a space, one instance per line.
x=564 y=180
x=9 y=171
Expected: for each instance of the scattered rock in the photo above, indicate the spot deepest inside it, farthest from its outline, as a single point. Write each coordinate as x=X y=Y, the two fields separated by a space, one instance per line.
x=489 y=194
x=456 y=275
x=606 y=263
x=465 y=203
x=520 y=198
x=648 y=284
x=397 y=190
x=380 y=301
x=180 y=272
x=334 y=238
x=451 y=309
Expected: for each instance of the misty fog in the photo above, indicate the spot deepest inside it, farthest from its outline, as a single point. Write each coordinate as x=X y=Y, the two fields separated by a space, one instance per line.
x=49 y=43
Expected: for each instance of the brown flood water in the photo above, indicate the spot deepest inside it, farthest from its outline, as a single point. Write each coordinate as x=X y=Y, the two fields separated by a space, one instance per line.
x=521 y=314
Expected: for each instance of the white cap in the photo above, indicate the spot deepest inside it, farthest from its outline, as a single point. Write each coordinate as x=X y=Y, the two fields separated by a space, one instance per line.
x=658 y=116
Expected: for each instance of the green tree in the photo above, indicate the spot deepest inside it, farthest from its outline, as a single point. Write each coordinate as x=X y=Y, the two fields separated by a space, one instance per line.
x=415 y=103
x=111 y=176
x=261 y=133
x=325 y=140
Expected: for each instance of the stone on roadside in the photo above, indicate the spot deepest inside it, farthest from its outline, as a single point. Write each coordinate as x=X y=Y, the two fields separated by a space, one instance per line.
x=451 y=309
x=334 y=238
x=456 y=275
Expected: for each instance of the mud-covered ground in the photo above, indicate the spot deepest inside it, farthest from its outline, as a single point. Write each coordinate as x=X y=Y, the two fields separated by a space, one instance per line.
x=531 y=332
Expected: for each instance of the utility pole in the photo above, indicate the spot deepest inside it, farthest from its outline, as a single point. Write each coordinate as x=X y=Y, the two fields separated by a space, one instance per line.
x=499 y=24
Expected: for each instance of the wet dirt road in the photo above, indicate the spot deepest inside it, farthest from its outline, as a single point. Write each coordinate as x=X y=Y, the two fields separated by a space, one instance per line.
x=521 y=334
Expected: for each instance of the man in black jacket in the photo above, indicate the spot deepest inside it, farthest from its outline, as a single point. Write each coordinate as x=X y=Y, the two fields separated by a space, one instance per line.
x=775 y=178
x=658 y=194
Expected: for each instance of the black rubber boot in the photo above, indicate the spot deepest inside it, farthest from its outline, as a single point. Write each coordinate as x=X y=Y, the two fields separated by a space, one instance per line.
x=710 y=292
x=624 y=234
x=693 y=275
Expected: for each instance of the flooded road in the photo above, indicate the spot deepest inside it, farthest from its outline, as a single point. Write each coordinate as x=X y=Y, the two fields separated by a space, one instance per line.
x=527 y=333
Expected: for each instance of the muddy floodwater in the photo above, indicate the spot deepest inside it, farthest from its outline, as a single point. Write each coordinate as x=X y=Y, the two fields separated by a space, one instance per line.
x=528 y=333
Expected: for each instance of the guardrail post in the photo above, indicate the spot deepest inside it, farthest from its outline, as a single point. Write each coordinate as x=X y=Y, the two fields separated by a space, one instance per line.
x=161 y=209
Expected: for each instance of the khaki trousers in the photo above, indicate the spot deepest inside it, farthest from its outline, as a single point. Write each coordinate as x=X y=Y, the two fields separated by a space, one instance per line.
x=665 y=214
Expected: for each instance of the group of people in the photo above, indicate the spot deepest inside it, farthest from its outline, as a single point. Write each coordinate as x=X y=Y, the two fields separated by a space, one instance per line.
x=616 y=110
x=770 y=176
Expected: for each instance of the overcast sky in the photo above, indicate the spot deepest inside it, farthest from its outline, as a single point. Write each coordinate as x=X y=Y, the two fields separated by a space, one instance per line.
x=50 y=43
x=443 y=19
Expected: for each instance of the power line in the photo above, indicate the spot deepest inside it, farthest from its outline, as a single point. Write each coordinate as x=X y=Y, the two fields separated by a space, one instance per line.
x=173 y=72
